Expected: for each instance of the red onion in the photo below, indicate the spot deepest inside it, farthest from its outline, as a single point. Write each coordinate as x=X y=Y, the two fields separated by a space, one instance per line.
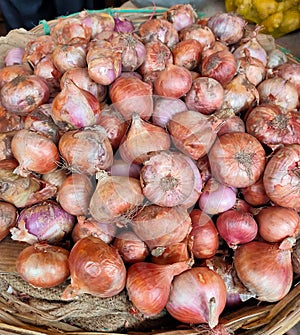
x=8 y=73
x=44 y=221
x=291 y=72
x=187 y=53
x=161 y=226
x=264 y=269
x=205 y=96
x=148 y=285
x=43 y=265
x=14 y=56
x=255 y=194
x=216 y=197
x=253 y=68
x=97 y=22
x=123 y=25
x=200 y=33
x=122 y=168
x=198 y=295
x=96 y=268
x=232 y=124
x=67 y=57
x=8 y=218
x=203 y=237
x=181 y=16
x=236 y=227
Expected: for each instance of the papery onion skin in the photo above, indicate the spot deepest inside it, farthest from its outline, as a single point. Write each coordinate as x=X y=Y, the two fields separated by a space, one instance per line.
x=96 y=268
x=43 y=265
x=232 y=124
x=291 y=72
x=172 y=253
x=237 y=159
x=264 y=269
x=200 y=33
x=281 y=177
x=68 y=57
x=204 y=237
x=255 y=194
x=8 y=218
x=8 y=73
x=75 y=193
x=236 y=227
x=253 y=68
x=148 y=285
x=161 y=226
x=34 y=152
x=122 y=168
x=187 y=53
x=197 y=295
x=14 y=56
x=296 y=257
x=5 y=145
x=275 y=223
x=86 y=150
x=181 y=16
x=44 y=221
x=55 y=177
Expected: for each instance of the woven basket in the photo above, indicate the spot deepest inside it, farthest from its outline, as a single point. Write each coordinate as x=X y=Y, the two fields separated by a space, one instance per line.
x=25 y=310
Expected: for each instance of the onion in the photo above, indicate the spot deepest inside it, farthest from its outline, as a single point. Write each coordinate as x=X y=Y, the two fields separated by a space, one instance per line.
x=232 y=124
x=96 y=268
x=264 y=269
x=74 y=107
x=203 y=237
x=220 y=65
x=86 y=150
x=236 y=227
x=97 y=21
x=131 y=248
x=281 y=177
x=164 y=108
x=193 y=133
x=158 y=29
x=173 y=253
x=273 y=126
x=161 y=226
x=276 y=223
x=14 y=56
x=180 y=15
x=123 y=25
x=227 y=27
x=34 y=152
x=216 y=197
x=90 y=227
x=255 y=194
x=5 y=145
x=204 y=168
x=237 y=159
x=9 y=121
x=253 y=68
x=8 y=218
x=8 y=73
x=198 y=295
x=115 y=198
x=55 y=177
x=205 y=96
x=67 y=57
x=24 y=93
x=276 y=58
x=291 y=72
x=296 y=257
x=148 y=285
x=168 y=179
x=44 y=221
x=104 y=63
x=278 y=91
x=143 y=138
x=75 y=193
x=131 y=95
x=200 y=33
x=122 y=168
x=43 y=265
x=187 y=53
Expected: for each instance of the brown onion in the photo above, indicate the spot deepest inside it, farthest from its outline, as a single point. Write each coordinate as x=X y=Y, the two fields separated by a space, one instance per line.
x=148 y=285
x=75 y=193
x=281 y=177
x=187 y=53
x=255 y=193
x=43 y=265
x=205 y=95
x=96 y=268
x=276 y=223
x=8 y=218
x=131 y=248
x=172 y=253
x=34 y=152
x=86 y=150
x=8 y=73
x=203 y=237
x=9 y=121
x=264 y=269
x=55 y=177
x=131 y=95
x=161 y=226
x=180 y=15
x=197 y=295
x=173 y=82
x=236 y=227
x=237 y=159
x=115 y=198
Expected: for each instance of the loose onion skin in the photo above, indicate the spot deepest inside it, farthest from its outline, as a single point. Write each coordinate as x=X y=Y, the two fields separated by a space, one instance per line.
x=8 y=218
x=96 y=268
x=197 y=295
x=281 y=177
x=276 y=223
x=264 y=269
x=237 y=159
x=43 y=265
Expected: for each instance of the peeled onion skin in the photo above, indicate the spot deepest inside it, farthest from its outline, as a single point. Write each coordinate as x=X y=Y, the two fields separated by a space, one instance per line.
x=264 y=269
x=96 y=268
x=43 y=265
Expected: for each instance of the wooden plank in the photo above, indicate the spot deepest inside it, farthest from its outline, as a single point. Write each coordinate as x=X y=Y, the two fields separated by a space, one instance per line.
x=9 y=251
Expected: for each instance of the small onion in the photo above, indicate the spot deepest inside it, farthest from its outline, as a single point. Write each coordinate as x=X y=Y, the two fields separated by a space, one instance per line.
x=291 y=72
x=43 y=265
x=232 y=124
x=181 y=16
x=14 y=56
x=122 y=168
x=197 y=295
x=255 y=194
x=123 y=25
x=8 y=73
x=187 y=54
x=173 y=253
x=8 y=218
x=67 y=57
x=96 y=268
x=44 y=221
x=200 y=33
